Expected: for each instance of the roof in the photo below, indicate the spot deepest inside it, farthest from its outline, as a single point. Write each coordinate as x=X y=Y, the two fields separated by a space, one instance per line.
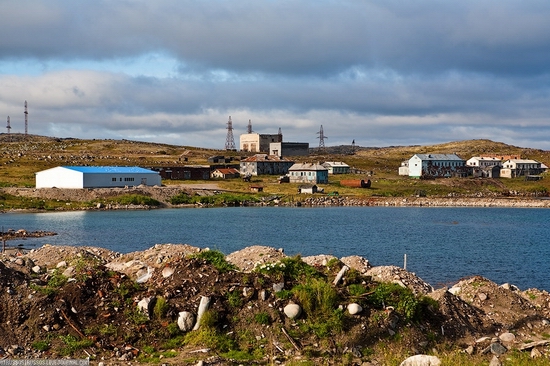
x=109 y=169
x=438 y=157
x=227 y=170
x=308 y=166
x=485 y=158
x=335 y=164
x=264 y=157
x=523 y=161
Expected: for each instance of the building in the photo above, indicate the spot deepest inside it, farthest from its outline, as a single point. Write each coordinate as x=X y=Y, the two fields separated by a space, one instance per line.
x=258 y=143
x=308 y=173
x=289 y=148
x=336 y=167
x=520 y=167
x=186 y=172
x=225 y=173
x=483 y=161
x=96 y=177
x=437 y=166
x=262 y=164
x=308 y=188
x=404 y=168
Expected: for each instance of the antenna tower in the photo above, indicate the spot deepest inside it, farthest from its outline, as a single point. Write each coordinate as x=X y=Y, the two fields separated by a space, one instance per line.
x=9 y=128
x=229 y=140
x=322 y=138
x=249 y=128
x=26 y=119
x=353 y=147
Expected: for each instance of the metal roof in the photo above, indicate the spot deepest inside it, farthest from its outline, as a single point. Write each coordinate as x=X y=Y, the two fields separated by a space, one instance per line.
x=109 y=169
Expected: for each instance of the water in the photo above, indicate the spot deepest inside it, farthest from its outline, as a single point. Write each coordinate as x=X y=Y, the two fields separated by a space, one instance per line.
x=442 y=244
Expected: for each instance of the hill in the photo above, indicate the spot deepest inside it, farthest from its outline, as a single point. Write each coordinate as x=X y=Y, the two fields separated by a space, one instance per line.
x=21 y=156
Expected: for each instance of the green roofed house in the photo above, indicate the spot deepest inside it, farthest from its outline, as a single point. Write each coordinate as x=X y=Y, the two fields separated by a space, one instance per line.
x=96 y=177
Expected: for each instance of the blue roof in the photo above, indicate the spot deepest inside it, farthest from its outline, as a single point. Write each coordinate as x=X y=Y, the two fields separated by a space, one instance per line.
x=109 y=169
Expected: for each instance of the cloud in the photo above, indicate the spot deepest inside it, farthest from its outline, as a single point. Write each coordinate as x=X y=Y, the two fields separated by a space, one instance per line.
x=380 y=72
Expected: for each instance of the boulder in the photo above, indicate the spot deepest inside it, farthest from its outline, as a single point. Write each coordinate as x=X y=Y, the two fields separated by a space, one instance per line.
x=507 y=337
x=186 y=320
x=167 y=272
x=144 y=305
x=421 y=360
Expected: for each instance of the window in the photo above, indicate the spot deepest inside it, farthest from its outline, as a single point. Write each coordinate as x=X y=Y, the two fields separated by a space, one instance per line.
x=113 y=179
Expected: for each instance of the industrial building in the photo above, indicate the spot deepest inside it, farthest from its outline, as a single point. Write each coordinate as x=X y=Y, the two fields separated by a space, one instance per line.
x=289 y=148
x=96 y=177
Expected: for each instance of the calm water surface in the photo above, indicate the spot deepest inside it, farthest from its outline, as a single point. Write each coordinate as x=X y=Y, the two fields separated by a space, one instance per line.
x=442 y=244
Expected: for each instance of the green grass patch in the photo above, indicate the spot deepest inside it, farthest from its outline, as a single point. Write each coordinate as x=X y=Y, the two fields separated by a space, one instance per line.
x=215 y=258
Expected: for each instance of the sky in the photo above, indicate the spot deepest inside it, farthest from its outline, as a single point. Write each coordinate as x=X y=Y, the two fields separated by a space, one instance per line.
x=377 y=72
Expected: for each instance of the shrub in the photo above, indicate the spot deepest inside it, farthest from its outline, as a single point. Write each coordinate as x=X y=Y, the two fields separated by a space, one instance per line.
x=161 y=307
x=262 y=318
x=215 y=258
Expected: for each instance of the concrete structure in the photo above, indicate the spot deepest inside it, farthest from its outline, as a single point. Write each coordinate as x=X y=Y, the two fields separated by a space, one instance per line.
x=308 y=173
x=96 y=177
x=308 y=188
x=336 y=167
x=437 y=165
x=255 y=142
x=404 y=168
x=186 y=172
x=261 y=164
x=520 y=167
x=225 y=173
x=289 y=148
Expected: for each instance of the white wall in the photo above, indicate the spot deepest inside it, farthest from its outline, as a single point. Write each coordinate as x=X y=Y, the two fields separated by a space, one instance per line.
x=59 y=177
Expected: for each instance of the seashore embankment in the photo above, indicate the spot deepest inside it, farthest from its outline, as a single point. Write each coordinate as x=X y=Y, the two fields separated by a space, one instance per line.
x=258 y=306
x=164 y=194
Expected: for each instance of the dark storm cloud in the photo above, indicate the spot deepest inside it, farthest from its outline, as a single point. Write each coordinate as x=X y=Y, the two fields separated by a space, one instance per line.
x=288 y=37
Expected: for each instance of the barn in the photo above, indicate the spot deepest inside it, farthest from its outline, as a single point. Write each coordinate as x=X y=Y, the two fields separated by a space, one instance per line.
x=96 y=177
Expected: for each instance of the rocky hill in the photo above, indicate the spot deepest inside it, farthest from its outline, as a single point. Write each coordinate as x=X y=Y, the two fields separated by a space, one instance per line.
x=175 y=304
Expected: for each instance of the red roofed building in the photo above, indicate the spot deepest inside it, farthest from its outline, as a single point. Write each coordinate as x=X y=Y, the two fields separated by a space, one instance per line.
x=225 y=173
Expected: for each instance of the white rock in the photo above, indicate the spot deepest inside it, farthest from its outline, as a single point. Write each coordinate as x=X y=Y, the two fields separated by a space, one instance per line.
x=186 y=321
x=167 y=272
x=68 y=272
x=61 y=264
x=292 y=311
x=421 y=360
x=455 y=290
x=36 y=269
x=507 y=337
x=144 y=277
x=354 y=308
x=143 y=305
x=495 y=362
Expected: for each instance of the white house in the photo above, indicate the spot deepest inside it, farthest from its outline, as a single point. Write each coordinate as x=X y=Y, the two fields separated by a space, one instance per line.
x=520 y=167
x=437 y=165
x=96 y=177
x=308 y=173
x=483 y=162
x=336 y=167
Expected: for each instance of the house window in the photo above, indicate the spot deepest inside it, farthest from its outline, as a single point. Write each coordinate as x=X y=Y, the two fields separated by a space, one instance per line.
x=113 y=179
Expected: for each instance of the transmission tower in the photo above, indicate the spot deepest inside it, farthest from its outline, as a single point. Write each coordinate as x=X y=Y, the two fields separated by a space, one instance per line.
x=9 y=129
x=26 y=119
x=229 y=140
x=249 y=128
x=322 y=138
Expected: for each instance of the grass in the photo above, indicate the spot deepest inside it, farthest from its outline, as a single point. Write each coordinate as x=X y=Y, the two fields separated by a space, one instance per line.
x=215 y=258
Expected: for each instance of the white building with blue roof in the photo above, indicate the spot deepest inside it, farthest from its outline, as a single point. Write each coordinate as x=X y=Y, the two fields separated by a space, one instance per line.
x=96 y=177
